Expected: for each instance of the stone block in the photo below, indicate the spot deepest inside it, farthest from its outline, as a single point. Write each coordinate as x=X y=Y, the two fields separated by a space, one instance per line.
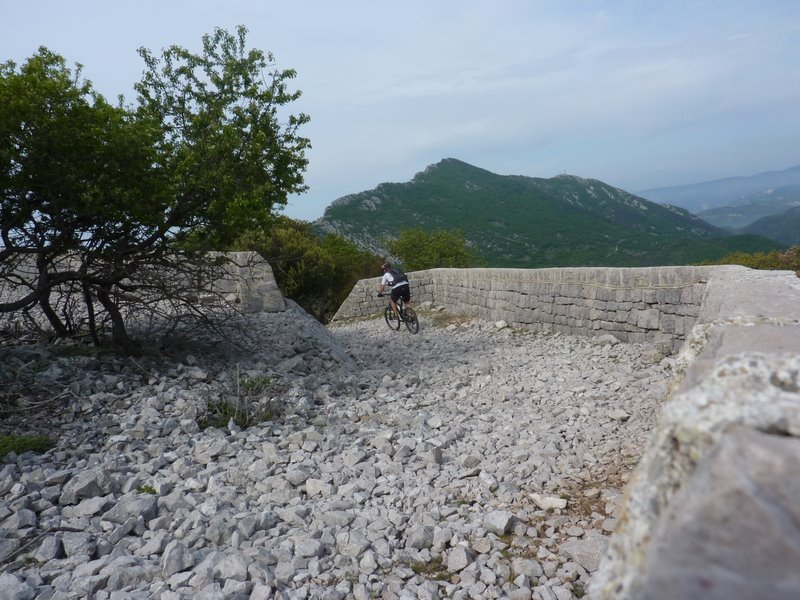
x=669 y=324
x=648 y=319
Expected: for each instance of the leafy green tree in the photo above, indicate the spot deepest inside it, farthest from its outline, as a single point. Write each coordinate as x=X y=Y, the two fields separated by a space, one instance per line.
x=419 y=249
x=76 y=179
x=232 y=156
x=111 y=204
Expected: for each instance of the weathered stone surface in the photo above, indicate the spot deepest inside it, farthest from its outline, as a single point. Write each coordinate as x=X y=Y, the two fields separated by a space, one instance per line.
x=698 y=541
x=757 y=392
x=459 y=558
x=420 y=537
x=587 y=551
x=176 y=558
x=499 y=521
x=133 y=506
x=13 y=588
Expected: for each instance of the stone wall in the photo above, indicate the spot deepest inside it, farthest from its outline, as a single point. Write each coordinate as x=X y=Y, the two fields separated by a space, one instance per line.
x=250 y=283
x=658 y=305
x=712 y=510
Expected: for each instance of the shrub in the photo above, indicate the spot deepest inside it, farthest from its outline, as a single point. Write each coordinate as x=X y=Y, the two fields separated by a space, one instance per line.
x=245 y=400
x=19 y=444
x=787 y=260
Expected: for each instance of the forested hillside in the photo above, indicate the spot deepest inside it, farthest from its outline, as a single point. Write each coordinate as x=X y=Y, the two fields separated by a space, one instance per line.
x=516 y=221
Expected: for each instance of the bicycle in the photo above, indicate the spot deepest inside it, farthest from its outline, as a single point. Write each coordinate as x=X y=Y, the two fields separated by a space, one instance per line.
x=407 y=316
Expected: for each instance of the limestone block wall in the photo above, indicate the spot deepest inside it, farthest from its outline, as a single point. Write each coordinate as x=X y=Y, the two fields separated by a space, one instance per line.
x=655 y=304
x=249 y=281
x=712 y=509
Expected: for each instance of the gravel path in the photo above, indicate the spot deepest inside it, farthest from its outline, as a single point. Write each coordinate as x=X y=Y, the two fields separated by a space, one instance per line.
x=468 y=461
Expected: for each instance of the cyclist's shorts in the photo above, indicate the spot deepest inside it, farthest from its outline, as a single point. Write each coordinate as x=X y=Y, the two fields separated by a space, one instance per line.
x=401 y=292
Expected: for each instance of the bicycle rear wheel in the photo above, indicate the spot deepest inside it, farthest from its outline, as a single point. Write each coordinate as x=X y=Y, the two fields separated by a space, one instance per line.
x=412 y=323
x=392 y=320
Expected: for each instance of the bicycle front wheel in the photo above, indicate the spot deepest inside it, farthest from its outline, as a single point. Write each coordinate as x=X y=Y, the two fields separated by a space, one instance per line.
x=412 y=323
x=392 y=320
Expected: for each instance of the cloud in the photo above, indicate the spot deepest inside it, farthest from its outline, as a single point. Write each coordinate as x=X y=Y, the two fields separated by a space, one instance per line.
x=630 y=92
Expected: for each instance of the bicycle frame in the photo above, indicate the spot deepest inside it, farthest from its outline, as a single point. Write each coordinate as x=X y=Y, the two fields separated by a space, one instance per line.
x=405 y=315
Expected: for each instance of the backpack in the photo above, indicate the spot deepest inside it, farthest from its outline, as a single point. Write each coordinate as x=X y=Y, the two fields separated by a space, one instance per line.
x=398 y=276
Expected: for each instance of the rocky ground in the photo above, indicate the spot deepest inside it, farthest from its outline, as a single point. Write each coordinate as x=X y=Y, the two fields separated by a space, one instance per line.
x=468 y=461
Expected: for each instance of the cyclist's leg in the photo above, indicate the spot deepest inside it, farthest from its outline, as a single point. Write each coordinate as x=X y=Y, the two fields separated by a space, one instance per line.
x=393 y=300
x=406 y=293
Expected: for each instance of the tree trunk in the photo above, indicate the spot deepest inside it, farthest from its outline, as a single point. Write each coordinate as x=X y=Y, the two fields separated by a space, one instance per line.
x=58 y=326
x=87 y=300
x=119 y=336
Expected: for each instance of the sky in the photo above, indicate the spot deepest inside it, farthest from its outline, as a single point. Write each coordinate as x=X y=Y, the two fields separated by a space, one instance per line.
x=636 y=93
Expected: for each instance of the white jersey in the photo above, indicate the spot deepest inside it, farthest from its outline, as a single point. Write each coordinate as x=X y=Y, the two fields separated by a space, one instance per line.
x=388 y=279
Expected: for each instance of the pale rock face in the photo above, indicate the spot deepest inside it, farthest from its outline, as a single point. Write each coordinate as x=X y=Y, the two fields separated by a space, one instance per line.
x=709 y=505
x=755 y=478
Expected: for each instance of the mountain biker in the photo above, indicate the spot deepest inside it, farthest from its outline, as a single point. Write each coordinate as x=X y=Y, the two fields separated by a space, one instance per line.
x=398 y=281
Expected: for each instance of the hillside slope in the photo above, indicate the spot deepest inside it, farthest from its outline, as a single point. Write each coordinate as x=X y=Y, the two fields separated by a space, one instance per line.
x=516 y=221
x=783 y=228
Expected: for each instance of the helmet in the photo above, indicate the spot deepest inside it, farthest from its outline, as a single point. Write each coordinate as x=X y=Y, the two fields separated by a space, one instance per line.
x=385 y=266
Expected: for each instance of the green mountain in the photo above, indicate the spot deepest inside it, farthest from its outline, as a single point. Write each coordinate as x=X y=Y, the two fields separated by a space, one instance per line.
x=783 y=228
x=516 y=221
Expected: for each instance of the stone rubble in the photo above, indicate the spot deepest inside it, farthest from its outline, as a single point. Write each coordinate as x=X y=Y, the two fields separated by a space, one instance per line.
x=468 y=461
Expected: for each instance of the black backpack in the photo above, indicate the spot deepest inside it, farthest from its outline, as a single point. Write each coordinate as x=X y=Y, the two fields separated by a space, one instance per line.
x=398 y=276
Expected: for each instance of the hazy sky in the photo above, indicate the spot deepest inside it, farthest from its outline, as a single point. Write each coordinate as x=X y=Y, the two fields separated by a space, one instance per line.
x=636 y=93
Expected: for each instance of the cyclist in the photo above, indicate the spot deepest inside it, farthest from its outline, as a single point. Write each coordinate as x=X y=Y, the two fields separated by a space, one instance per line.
x=398 y=281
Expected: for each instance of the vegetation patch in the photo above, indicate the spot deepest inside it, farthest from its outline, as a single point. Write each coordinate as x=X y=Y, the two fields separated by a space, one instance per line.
x=433 y=569
x=245 y=400
x=19 y=444
x=776 y=260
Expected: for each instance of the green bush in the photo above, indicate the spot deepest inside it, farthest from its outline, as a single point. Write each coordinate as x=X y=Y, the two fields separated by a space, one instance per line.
x=788 y=260
x=19 y=444
x=316 y=271
x=418 y=249
x=245 y=400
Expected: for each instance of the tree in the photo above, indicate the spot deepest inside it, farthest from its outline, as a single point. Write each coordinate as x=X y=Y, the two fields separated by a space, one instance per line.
x=317 y=272
x=76 y=178
x=419 y=249
x=232 y=160
x=115 y=205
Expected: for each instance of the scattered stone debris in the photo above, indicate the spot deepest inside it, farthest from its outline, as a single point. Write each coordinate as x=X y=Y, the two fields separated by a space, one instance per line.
x=468 y=461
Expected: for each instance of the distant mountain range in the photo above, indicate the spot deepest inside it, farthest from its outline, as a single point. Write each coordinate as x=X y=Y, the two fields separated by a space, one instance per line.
x=731 y=191
x=764 y=204
x=517 y=221
x=750 y=209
